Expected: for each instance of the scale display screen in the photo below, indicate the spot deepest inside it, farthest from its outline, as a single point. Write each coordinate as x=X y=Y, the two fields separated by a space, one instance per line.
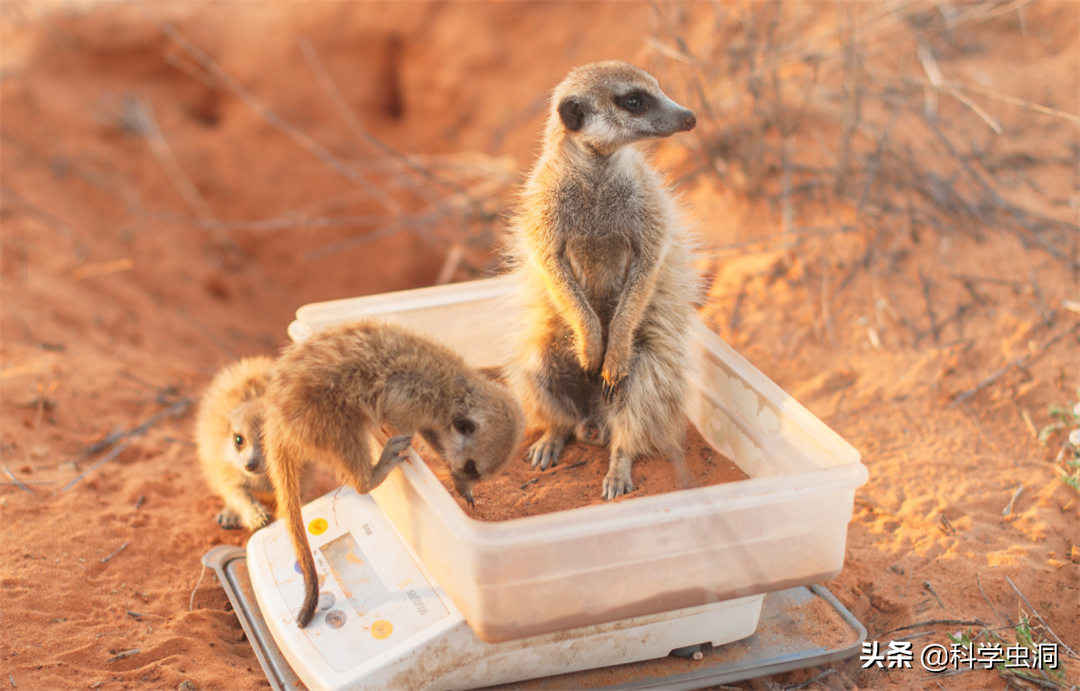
x=354 y=574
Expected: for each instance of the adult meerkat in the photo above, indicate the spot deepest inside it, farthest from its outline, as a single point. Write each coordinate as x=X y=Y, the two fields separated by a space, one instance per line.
x=228 y=434
x=331 y=391
x=606 y=276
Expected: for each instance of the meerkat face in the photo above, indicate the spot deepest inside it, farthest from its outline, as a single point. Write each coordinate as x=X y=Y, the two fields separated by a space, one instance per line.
x=482 y=436
x=243 y=448
x=607 y=105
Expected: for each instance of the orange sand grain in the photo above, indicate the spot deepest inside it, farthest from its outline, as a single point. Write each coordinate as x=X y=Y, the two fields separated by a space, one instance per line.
x=521 y=491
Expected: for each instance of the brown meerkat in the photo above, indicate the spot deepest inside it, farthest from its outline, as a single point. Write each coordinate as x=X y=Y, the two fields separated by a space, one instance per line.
x=606 y=275
x=228 y=434
x=331 y=391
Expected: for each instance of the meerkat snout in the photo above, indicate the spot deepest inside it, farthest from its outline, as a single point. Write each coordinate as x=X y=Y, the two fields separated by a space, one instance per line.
x=255 y=465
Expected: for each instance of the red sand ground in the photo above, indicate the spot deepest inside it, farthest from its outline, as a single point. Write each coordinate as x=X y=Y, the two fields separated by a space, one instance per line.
x=521 y=491
x=111 y=312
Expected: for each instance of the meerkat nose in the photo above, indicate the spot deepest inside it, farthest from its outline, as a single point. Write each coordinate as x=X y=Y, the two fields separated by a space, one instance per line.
x=690 y=123
x=252 y=465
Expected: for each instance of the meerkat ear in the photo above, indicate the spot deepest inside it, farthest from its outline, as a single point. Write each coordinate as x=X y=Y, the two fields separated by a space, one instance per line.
x=572 y=114
x=465 y=426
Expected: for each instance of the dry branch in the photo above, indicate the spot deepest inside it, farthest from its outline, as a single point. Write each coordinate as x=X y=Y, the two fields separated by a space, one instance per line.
x=131 y=435
x=16 y=481
x=260 y=109
x=1021 y=361
x=329 y=87
x=118 y=550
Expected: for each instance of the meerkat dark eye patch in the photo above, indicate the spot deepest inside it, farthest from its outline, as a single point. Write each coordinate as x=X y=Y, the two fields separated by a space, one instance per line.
x=465 y=426
x=572 y=114
x=634 y=102
x=470 y=470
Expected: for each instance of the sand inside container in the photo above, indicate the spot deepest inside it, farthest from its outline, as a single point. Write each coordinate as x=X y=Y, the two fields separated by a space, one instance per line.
x=521 y=491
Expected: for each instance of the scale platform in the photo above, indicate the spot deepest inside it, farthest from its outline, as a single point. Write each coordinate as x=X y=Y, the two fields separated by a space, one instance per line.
x=384 y=622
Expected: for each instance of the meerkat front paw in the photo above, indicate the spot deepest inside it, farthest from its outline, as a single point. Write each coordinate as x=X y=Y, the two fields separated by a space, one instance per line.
x=396 y=449
x=617 y=482
x=228 y=519
x=545 y=452
x=590 y=358
x=258 y=518
x=590 y=348
x=611 y=386
x=616 y=368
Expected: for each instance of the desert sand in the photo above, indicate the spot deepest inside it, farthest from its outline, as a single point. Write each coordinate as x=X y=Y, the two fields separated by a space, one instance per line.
x=886 y=197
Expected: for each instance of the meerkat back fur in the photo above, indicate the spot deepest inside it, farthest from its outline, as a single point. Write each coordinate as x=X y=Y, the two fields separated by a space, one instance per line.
x=607 y=282
x=228 y=434
x=331 y=391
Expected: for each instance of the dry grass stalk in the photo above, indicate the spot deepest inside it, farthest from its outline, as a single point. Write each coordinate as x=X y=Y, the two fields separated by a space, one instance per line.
x=139 y=112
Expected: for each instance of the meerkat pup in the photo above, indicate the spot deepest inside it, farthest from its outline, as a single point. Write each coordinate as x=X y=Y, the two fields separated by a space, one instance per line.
x=331 y=391
x=607 y=283
x=228 y=434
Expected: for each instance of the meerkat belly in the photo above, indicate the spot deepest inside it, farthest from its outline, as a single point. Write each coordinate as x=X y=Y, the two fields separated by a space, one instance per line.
x=604 y=248
x=600 y=265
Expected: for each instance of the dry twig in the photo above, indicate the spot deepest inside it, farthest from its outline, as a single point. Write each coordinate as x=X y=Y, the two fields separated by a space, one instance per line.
x=118 y=550
x=126 y=653
x=142 y=114
x=131 y=435
x=1034 y=611
x=1021 y=361
x=16 y=481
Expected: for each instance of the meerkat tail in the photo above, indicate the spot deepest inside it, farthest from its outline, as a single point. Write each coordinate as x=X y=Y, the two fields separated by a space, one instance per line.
x=286 y=482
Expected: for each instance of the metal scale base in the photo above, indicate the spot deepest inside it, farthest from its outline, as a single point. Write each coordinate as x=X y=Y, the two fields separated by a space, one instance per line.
x=782 y=643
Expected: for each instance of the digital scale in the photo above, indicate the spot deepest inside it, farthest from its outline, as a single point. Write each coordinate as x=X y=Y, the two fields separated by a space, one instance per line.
x=383 y=622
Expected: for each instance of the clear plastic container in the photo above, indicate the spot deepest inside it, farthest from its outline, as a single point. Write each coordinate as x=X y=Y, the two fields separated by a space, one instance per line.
x=784 y=526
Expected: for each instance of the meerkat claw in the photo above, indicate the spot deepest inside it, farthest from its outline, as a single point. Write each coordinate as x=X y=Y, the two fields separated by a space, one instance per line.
x=228 y=520
x=399 y=446
x=611 y=387
x=545 y=453
x=615 y=485
x=469 y=500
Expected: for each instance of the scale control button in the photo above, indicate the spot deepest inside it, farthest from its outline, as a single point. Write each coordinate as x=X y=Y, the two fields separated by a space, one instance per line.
x=381 y=629
x=335 y=618
x=326 y=599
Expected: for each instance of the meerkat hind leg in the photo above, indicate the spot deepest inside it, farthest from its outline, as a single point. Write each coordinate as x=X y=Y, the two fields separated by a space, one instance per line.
x=647 y=416
x=560 y=391
x=618 y=479
x=545 y=452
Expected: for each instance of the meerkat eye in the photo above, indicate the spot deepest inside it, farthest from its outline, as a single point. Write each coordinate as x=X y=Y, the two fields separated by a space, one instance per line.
x=635 y=103
x=465 y=426
x=239 y=440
